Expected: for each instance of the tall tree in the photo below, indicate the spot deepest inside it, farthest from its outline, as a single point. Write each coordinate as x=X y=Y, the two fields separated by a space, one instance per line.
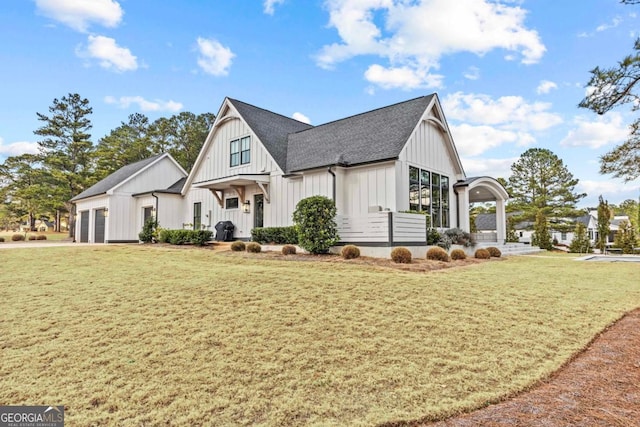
x=66 y=148
x=540 y=181
x=580 y=243
x=128 y=143
x=182 y=135
x=25 y=188
x=612 y=87
x=625 y=238
x=604 y=221
x=541 y=236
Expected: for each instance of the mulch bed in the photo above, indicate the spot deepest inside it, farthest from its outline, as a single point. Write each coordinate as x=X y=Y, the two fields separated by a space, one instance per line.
x=599 y=387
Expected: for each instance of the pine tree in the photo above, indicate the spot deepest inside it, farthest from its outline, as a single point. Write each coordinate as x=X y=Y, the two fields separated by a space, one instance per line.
x=580 y=243
x=625 y=238
x=603 y=226
x=66 y=149
x=541 y=235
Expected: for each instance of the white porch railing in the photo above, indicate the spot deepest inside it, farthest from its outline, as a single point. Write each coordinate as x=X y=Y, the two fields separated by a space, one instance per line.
x=382 y=227
x=491 y=236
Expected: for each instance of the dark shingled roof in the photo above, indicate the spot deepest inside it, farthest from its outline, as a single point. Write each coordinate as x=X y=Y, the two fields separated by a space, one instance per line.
x=584 y=219
x=368 y=137
x=176 y=187
x=119 y=176
x=272 y=129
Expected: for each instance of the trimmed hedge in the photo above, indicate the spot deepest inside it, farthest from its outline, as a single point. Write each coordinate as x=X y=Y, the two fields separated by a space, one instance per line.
x=17 y=238
x=350 y=252
x=182 y=237
x=288 y=250
x=1 y=239
x=238 y=246
x=494 y=252
x=254 y=247
x=482 y=254
x=276 y=235
x=438 y=254
x=41 y=237
x=458 y=254
x=401 y=255
x=32 y=237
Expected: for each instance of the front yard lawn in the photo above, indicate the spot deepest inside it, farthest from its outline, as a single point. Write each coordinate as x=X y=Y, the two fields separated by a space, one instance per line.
x=144 y=335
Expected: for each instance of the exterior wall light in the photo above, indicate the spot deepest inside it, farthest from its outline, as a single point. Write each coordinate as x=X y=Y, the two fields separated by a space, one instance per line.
x=246 y=206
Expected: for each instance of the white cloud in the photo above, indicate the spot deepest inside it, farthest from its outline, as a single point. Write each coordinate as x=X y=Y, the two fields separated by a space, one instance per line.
x=270 y=4
x=545 y=86
x=109 y=54
x=214 y=58
x=143 y=104
x=18 y=148
x=491 y=167
x=413 y=36
x=509 y=112
x=606 y=188
x=604 y=130
x=475 y=140
x=614 y=23
x=79 y=14
x=472 y=73
x=301 y=118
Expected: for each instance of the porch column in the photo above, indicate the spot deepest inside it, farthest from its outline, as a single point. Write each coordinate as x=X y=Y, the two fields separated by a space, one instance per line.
x=501 y=221
x=463 y=209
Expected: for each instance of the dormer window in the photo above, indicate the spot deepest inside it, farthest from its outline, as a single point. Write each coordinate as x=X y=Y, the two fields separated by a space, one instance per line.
x=240 y=151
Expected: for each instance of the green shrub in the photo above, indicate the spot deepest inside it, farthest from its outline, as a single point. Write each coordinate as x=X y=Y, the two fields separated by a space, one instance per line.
x=17 y=238
x=288 y=250
x=458 y=254
x=401 y=255
x=238 y=246
x=350 y=252
x=494 y=252
x=438 y=254
x=460 y=237
x=1 y=239
x=179 y=237
x=148 y=230
x=32 y=237
x=580 y=243
x=200 y=237
x=432 y=237
x=276 y=235
x=482 y=254
x=314 y=219
x=254 y=247
x=41 y=237
x=163 y=235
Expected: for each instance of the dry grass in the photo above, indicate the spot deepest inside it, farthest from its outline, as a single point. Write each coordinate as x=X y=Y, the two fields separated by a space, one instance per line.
x=138 y=335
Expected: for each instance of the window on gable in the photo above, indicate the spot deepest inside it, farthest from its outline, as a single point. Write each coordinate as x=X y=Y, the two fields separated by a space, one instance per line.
x=231 y=203
x=240 y=151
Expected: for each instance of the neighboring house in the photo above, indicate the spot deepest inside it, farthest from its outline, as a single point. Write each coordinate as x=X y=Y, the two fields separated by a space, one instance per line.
x=114 y=209
x=40 y=226
x=256 y=165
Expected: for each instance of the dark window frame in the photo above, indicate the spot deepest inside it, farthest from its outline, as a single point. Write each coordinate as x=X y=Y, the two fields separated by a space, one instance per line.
x=228 y=204
x=197 y=215
x=240 y=151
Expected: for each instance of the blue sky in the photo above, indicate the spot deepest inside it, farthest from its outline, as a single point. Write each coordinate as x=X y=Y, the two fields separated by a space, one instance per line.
x=509 y=73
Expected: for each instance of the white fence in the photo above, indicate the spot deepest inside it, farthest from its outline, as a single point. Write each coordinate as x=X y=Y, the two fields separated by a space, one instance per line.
x=382 y=227
x=491 y=236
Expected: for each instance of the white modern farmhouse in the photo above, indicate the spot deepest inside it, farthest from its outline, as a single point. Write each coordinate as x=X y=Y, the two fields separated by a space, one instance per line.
x=256 y=165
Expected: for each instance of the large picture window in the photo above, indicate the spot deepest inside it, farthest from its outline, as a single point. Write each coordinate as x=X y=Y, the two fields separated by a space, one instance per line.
x=429 y=192
x=240 y=151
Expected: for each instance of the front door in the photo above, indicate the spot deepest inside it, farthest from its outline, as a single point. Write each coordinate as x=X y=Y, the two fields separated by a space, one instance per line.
x=258 y=210
x=98 y=235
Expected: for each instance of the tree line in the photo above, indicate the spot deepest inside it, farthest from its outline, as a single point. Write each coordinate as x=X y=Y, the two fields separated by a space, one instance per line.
x=39 y=186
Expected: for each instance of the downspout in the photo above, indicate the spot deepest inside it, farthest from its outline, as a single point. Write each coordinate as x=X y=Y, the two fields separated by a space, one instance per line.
x=458 y=207
x=157 y=200
x=334 y=182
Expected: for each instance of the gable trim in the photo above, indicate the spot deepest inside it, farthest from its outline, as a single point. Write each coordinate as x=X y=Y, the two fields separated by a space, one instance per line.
x=162 y=157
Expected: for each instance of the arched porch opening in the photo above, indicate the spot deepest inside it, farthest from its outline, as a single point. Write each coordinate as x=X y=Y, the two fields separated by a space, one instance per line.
x=482 y=189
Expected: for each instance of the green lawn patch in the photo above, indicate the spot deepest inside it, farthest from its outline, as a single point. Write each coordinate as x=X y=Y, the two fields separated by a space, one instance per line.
x=142 y=335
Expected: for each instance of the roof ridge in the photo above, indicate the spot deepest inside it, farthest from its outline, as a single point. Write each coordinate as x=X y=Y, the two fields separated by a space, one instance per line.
x=269 y=111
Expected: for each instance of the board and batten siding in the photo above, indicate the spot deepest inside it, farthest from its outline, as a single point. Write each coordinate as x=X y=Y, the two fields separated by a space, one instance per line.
x=161 y=175
x=362 y=187
x=216 y=161
x=428 y=149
